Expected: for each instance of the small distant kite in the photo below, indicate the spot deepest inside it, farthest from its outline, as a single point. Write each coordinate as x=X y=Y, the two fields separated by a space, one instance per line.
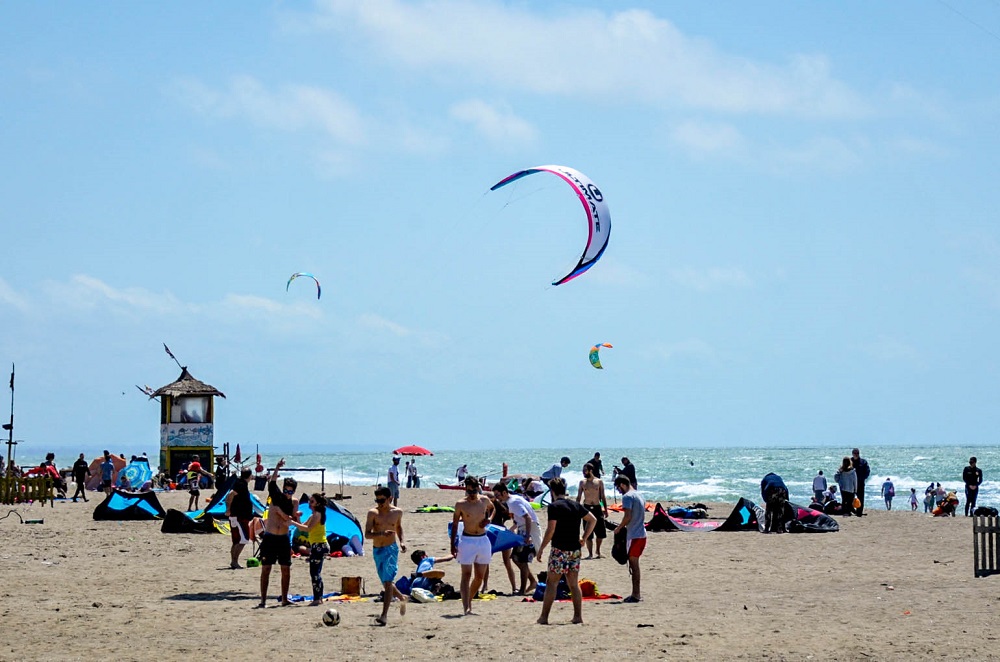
x=598 y=214
x=595 y=356
x=307 y=275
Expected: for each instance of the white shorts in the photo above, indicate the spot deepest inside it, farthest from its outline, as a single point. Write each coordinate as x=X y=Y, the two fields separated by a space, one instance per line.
x=474 y=549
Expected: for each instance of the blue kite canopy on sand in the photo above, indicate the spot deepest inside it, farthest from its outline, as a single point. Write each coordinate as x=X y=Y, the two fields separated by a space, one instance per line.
x=745 y=516
x=217 y=504
x=125 y=505
x=339 y=522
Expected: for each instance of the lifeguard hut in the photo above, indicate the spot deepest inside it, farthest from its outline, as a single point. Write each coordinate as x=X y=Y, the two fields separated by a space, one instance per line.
x=187 y=416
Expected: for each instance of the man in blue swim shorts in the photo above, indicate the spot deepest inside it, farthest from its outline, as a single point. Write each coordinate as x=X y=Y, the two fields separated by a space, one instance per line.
x=473 y=549
x=384 y=528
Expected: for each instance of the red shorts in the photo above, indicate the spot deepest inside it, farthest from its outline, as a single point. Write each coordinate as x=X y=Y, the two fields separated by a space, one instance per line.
x=635 y=547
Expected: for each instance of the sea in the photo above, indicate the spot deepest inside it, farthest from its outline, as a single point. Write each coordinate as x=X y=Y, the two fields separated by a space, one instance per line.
x=682 y=474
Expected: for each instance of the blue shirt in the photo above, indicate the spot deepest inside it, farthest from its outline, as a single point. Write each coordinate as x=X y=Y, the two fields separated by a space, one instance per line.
x=107 y=469
x=554 y=472
x=633 y=502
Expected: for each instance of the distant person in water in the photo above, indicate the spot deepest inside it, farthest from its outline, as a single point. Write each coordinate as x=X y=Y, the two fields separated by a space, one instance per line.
x=888 y=492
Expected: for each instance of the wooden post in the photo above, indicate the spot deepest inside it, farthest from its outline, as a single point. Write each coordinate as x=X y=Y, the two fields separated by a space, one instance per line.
x=986 y=545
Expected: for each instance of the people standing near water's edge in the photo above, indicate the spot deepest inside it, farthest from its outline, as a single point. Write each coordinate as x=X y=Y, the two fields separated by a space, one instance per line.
x=384 y=527
x=472 y=548
x=913 y=499
x=239 y=510
x=555 y=471
x=972 y=476
x=590 y=493
x=393 y=480
x=412 y=477
x=929 y=494
x=276 y=545
x=819 y=486
x=597 y=464
x=461 y=473
x=847 y=479
x=563 y=532
x=634 y=525
x=888 y=492
x=526 y=524
x=81 y=471
x=628 y=470
x=319 y=548
x=862 y=470
x=406 y=472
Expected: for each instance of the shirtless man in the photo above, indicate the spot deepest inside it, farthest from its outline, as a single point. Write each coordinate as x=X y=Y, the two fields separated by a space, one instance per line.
x=276 y=545
x=591 y=494
x=473 y=550
x=384 y=528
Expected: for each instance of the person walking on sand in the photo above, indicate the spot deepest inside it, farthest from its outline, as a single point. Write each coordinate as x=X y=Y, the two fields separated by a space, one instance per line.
x=847 y=478
x=81 y=471
x=384 y=527
x=526 y=524
x=819 y=486
x=862 y=470
x=276 y=546
x=563 y=532
x=591 y=493
x=634 y=526
x=472 y=549
x=239 y=510
x=393 y=480
x=319 y=548
x=107 y=473
x=972 y=476
x=888 y=492
x=913 y=499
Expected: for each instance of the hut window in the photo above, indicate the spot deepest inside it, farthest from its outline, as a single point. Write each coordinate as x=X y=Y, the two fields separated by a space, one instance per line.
x=190 y=410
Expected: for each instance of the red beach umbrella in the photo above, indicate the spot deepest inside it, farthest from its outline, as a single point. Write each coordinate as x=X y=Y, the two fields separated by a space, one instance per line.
x=412 y=450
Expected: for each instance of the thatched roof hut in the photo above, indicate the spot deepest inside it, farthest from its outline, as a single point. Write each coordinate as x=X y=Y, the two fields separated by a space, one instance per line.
x=186 y=385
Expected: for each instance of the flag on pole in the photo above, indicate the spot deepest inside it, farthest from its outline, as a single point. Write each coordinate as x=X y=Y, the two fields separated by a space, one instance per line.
x=169 y=353
x=11 y=376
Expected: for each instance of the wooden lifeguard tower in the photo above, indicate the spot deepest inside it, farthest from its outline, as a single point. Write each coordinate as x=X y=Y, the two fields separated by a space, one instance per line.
x=187 y=417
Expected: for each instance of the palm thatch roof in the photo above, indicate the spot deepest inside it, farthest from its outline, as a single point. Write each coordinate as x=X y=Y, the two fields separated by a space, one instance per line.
x=187 y=385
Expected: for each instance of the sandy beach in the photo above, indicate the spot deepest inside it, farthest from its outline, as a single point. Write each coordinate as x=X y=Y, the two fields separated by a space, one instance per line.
x=889 y=586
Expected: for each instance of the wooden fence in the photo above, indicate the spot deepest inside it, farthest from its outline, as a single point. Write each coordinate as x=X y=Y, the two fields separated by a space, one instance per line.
x=986 y=545
x=24 y=490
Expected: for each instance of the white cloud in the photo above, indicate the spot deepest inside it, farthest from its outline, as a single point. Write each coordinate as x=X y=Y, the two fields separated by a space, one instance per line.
x=701 y=138
x=713 y=278
x=8 y=297
x=499 y=125
x=630 y=55
x=286 y=108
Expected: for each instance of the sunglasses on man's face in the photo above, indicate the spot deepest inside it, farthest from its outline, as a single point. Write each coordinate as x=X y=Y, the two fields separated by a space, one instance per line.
x=380 y=500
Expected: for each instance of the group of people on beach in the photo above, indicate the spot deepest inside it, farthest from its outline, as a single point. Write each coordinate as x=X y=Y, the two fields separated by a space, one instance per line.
x=854 y=472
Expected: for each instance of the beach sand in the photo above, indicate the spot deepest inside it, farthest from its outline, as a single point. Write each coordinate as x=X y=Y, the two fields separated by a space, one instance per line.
x=889 y=586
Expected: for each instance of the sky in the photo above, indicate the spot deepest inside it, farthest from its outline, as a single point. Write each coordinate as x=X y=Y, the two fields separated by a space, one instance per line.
x=804 y=202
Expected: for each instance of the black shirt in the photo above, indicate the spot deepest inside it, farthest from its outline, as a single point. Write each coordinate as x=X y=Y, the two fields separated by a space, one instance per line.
x=629 y=472
x=80 y=470
x=241 y=506
x=598 y=466
x=972 y=475
x=568 y=515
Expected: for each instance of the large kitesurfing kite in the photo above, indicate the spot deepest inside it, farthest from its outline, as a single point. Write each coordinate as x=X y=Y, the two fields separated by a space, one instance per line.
x=306 y=274
x=595 y=356
x=598 y=215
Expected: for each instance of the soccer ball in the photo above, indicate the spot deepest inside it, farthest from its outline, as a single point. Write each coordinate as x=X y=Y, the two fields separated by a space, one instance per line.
x=331 y=617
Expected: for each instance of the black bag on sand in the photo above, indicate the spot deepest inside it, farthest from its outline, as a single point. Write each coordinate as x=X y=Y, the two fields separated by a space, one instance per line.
x=619 y=552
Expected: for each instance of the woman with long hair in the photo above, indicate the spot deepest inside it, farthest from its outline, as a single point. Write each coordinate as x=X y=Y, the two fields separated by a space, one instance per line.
x=848 y=481
x=319 y=548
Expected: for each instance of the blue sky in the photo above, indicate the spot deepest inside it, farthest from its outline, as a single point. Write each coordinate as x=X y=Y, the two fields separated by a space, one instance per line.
x=804 y=199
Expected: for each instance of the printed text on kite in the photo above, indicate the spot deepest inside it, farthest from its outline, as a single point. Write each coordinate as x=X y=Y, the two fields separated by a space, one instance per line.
x=598 y=214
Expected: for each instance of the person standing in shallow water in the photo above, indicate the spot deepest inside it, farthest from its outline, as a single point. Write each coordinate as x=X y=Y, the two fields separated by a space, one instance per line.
x=888 y=492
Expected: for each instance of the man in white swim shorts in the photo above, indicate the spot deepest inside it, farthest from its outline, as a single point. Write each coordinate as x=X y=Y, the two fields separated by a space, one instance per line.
x=472 y=549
